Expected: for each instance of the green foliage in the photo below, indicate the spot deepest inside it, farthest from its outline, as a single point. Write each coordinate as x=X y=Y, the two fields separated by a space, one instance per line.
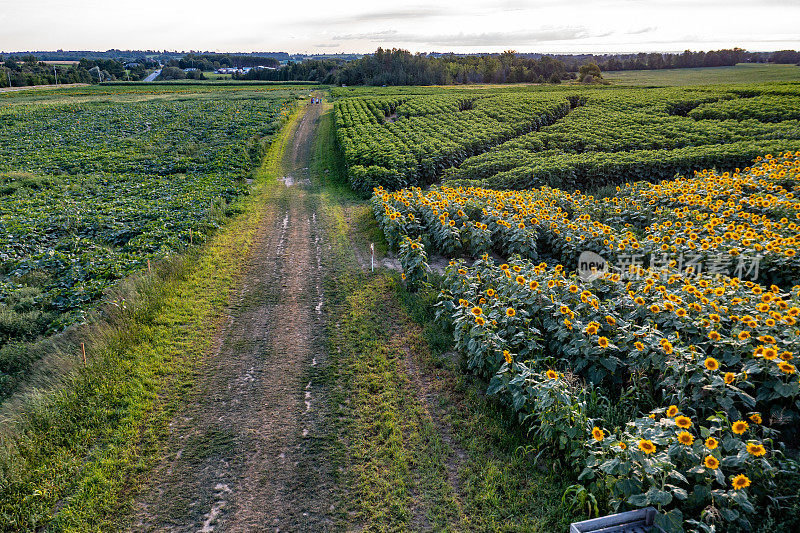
x=627 y=135
x=588 y=72
x=415 y=263
x=94 y=188
x=395 y=142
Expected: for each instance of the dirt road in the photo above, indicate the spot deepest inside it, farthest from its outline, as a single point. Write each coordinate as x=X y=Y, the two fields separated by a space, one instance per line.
x=250 y=451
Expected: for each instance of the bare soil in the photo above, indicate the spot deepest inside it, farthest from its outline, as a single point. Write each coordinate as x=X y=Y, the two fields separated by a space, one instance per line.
x=250 y=452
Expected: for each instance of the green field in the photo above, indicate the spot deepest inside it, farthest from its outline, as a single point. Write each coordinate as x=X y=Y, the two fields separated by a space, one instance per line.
x=741 y=73
x=376 y=313
x=569 y=137
x=97 y=183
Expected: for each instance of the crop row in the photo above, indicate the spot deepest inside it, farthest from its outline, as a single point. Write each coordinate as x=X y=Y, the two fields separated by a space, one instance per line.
x=493 y=139
x=415 y=148
x=728 y=222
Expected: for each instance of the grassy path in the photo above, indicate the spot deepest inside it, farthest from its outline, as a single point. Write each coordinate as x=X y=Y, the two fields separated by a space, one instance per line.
x=250 y=450
x=423 y=449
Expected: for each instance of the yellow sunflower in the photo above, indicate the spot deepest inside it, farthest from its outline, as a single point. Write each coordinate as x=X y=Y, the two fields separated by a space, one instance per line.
x=685 y=438
x=740 y=482
x=756 y=450
x=739 y=427
x=647 y=446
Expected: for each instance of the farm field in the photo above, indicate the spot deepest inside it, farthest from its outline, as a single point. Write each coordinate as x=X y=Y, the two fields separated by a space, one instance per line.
x=378 y=313
x=741 y=73
x=96 y=184
x=562 y=137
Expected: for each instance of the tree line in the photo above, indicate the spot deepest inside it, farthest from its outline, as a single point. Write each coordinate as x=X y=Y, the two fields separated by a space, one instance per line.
x=686 y=59
x=208 y=62
x=401 y=67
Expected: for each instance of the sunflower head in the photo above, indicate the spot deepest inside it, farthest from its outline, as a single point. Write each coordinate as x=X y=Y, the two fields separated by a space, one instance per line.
x=711 y=363
x=683 y=422
x=740 y=482
x=551 y=374
x=477 y=311
x=711 y=462
x=672 y=411
x=602 y=342
x=712 y=443
x=598 y=434
x=729 y=377
x=507 y=356
x=685 y=438
x=647 y=446
x=480 y=320
x=756 y=450
x=755 y=418
x=739 y=427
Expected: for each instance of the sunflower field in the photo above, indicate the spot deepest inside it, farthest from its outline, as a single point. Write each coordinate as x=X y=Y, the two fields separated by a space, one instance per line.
x=560 y=137
x=668 y=378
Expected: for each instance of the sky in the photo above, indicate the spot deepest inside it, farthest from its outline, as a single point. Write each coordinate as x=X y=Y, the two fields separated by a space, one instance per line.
x=359 y=26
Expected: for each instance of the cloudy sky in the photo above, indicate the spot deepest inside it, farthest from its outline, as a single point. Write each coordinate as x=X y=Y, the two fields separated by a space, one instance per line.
x=314 y=26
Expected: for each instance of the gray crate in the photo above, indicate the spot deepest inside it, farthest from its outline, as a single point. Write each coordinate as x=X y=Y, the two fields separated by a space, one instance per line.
x=639 y=521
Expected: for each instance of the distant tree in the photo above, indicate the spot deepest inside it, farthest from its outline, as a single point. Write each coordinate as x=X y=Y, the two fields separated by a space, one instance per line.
x=587 y=70
x=171 y=73
x=786 y=57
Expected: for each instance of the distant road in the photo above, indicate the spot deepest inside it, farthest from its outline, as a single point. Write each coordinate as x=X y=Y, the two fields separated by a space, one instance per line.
x=28 y=87
x=153 y=76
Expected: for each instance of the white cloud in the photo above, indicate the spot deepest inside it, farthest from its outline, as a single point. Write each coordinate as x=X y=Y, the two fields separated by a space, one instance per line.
x=361 y=26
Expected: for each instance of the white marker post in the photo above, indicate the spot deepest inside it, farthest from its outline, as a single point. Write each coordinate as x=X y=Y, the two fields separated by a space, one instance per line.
x=372 y=248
